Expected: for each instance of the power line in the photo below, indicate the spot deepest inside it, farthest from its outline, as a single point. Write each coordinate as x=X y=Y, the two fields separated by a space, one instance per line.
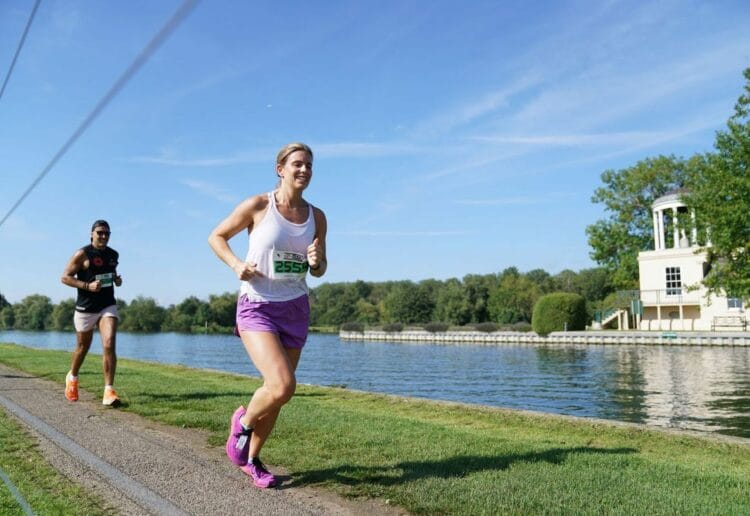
x=20 y=45
x=139 y=61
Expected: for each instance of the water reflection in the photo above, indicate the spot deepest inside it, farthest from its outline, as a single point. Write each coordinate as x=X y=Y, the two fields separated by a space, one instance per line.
x=697 y=388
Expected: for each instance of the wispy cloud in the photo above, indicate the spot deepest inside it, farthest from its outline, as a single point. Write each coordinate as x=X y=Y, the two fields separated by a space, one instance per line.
x=170 y=159
x=628 y=138
x=596 y=96
x=365 y=150
x=515 y=201
x=474 y=109
x=437 y=233
x=210 y=190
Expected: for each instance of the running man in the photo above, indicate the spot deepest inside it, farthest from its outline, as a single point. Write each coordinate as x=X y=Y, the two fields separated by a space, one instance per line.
x=93 y=272
x=287 y=238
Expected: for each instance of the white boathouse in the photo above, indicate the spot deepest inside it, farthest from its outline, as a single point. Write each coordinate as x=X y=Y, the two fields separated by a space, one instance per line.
x=672 y=294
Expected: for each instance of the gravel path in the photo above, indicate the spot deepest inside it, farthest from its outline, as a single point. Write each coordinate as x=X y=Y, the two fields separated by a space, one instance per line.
x=142 y=467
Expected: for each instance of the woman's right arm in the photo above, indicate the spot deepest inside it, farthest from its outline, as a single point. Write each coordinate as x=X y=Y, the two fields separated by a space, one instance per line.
x=241 y=218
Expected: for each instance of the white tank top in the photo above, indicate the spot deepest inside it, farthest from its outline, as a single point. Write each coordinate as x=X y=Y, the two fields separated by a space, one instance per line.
x=279 y=250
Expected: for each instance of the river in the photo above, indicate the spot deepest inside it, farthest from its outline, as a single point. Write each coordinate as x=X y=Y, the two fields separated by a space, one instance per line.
x=696 y=388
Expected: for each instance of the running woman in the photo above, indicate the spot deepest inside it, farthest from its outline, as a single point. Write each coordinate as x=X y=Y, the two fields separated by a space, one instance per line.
x=93 y=272
x=287 y=240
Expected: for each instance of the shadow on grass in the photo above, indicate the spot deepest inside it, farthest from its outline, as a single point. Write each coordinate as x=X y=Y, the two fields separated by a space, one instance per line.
x=195 y=395
x=454 y=467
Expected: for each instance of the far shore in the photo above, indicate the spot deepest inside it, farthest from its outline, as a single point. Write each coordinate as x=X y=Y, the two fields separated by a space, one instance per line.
x=589 y=337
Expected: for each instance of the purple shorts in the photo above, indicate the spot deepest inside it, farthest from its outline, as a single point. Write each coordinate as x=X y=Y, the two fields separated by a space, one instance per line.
x=287 y=319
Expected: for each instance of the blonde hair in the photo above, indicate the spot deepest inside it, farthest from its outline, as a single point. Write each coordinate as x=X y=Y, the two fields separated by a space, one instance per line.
x=289 y=148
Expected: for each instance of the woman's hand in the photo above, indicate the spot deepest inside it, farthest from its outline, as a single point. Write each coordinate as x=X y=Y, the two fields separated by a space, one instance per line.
x=314 y=254
x=245 y=270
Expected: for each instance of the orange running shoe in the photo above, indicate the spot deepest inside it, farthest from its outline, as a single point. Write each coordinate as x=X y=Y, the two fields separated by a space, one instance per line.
x=71 y=388
x=110 y=398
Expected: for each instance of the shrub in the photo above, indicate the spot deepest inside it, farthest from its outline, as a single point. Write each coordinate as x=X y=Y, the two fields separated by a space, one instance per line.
x=521 y=326
x=393 y=327
x=556 y=311
x=488 y=327
x=353 y=326
x=434 y=327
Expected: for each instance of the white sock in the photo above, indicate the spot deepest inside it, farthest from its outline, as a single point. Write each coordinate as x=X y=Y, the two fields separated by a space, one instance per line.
x=71 y=377
x=108 y=387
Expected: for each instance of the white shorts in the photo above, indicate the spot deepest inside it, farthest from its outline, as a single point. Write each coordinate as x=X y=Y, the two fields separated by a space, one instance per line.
x=86 y=321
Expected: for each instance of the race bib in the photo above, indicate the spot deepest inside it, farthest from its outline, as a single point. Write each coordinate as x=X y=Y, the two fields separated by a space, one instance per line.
x=289 y=265
x=107 y=279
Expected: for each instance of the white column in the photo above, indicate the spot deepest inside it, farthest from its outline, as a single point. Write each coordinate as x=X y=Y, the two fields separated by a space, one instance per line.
x=656 y=232
x=660 y=221
x=694 y=232
x=675 y=230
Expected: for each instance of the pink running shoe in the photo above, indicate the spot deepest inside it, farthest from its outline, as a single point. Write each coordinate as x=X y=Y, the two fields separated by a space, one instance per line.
x=262 y=478
x=238 y=443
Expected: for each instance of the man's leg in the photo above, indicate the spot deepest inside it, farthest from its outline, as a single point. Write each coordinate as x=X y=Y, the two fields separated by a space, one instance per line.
x=83 y=343
x=108 y=332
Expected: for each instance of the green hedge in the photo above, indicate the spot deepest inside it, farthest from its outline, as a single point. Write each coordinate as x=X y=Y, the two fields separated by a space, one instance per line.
x=556 y=311
x=436 y=327
x=353 y=326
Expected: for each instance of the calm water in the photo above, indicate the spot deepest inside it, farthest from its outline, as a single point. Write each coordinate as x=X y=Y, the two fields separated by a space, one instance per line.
x=697 y=388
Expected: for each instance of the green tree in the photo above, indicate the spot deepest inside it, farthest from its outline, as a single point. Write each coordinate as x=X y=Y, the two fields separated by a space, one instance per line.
x=478 y=292
x=7 y=318
x=367 y=312
x=594 y=284
x=627 y=196
x=452 y=304
x=189 y=313
x=719 y=194
x=333 y=304
x=34 y=312
x=513 y=299
x=408 y=303
x=223 y=309
x=143 y=315
x=62 y=315
x=542 y=278
x=3 y=302
x=565 y=281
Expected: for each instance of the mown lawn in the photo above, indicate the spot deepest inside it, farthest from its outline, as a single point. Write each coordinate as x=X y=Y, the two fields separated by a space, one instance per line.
x=440 y=458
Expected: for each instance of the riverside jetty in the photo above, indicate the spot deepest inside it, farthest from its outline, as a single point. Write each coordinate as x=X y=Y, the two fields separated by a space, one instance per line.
x=593 y=337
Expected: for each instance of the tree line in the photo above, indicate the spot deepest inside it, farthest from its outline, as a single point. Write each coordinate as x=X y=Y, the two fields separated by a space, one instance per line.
x=506 y=299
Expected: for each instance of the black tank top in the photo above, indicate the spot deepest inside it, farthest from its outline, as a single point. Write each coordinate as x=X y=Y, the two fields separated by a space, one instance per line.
x=102 y=266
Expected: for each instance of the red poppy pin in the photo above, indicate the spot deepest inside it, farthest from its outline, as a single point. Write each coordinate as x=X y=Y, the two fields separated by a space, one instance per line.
x=98 y=261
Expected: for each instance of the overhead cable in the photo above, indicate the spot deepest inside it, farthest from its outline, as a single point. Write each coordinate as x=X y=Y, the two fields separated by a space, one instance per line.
x=20 y=46
x=139 y=61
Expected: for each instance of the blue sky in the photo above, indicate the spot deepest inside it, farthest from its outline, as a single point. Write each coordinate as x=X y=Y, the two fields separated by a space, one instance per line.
x=450 y=137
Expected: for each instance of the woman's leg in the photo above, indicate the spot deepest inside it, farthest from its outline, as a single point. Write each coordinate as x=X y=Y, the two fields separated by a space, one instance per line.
x=265 y=423
x=276 y=365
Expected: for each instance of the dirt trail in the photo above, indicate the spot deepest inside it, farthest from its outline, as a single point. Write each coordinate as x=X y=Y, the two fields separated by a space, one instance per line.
x=142 y=467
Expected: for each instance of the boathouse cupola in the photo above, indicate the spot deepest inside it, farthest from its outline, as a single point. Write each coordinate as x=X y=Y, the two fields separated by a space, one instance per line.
x=669 y=214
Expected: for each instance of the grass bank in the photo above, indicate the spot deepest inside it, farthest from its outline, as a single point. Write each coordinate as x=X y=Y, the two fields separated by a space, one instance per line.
x=440 y=458
x=41 y=486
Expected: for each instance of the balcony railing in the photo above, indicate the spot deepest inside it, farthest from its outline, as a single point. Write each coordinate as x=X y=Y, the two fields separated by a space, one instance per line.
x=671 y=296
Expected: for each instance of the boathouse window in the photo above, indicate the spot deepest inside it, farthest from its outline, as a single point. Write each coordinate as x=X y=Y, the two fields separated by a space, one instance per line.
x=674 y=281
x=734 y=302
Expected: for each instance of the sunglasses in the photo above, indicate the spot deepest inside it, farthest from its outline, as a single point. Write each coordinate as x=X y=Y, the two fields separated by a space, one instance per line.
x=103 y=233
